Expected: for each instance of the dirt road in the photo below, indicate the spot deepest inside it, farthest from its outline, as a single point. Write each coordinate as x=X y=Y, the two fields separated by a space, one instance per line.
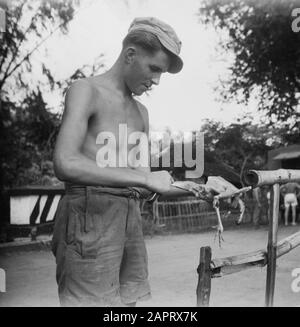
x=173 y=260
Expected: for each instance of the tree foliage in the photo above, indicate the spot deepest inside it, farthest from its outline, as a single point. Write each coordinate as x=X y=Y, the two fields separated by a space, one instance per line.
x=266 y=50
x=29 y=136
x=238 y=145
x=29 y=23
x=27 y=127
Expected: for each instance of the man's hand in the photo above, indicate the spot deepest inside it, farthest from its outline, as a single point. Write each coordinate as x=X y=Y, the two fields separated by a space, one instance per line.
x=159 y=181
x=199 y=190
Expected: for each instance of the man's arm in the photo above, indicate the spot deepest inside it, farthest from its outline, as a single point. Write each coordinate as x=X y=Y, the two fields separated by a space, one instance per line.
x=282 y=189
x=69 y=162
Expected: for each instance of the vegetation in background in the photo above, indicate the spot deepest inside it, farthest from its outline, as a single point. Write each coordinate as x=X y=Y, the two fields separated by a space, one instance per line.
x=266 y=55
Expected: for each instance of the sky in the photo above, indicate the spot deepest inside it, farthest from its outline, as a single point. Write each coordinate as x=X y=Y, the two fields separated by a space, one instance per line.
x=182 y=101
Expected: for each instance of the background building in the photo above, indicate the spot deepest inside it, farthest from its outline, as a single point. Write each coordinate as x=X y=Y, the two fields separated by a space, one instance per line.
x=285 y=157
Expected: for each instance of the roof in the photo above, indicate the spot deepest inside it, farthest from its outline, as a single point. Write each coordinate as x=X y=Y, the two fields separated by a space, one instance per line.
x=294 y=148
x=287 y=155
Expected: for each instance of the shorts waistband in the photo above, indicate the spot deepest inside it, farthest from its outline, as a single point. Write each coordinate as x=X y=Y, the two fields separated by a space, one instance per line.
x=127 y=192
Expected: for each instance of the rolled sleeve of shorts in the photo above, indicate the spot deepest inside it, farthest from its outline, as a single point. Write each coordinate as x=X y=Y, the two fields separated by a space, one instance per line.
x=290 y=199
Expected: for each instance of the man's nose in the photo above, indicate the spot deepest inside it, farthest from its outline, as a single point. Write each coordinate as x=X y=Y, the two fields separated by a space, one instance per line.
x=155 y=79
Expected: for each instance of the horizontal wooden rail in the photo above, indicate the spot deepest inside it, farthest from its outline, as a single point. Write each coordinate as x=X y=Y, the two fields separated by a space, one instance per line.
x=229 y=265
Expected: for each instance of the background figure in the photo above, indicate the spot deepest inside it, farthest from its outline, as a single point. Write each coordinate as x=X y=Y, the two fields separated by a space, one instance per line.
x=290 y=192
x=260 y=210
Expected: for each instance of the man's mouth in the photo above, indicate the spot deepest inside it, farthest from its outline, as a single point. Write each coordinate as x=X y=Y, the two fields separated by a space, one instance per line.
x=148 y=87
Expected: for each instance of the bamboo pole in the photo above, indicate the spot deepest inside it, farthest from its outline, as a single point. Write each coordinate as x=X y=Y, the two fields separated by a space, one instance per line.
x=272 y=248
x=288 y=244
x=257 y=178
x=204 y=277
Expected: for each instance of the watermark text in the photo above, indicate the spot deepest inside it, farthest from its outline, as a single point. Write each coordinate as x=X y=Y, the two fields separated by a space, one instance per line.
x=295 y=286
x=2 y=280
x=296 y=21
x=136 y=149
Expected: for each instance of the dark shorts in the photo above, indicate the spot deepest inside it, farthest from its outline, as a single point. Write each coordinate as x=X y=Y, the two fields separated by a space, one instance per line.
x=99 y=247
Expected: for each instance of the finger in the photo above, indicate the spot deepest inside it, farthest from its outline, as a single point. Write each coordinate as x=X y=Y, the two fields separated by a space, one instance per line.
x=195 y=190
x=202 y=192
x=205 y=192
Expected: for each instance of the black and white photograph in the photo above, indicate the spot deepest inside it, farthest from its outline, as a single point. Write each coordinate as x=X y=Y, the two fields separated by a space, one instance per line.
x=150 y=156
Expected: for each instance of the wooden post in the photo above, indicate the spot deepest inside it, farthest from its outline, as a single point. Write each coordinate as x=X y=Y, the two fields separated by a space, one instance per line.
x=33 y=233
x=204 y=277
x=179 y=215
x=272 y=248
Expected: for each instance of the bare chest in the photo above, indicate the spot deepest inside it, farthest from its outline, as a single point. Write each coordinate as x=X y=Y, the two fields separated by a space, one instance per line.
x=114 y=129
x=115 y=117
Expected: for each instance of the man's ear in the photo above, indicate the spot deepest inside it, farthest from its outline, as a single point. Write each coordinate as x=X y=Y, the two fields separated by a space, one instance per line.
x=130 y=54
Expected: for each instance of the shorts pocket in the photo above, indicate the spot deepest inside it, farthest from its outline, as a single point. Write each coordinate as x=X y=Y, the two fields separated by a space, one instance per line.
x=80 y=232
x=88 y=225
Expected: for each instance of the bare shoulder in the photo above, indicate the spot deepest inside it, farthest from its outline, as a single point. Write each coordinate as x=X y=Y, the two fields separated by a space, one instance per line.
x=81 y=96
x=81 y=85
x=80 y=89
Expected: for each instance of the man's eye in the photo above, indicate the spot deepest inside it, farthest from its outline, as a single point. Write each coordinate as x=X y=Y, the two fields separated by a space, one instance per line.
x=155 y=69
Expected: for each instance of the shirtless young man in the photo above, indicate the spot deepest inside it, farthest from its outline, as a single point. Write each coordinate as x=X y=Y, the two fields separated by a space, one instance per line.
x=98 y=242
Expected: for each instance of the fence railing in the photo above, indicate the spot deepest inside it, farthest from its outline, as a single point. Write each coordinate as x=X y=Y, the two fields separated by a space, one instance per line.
x=33 y=207
x=190 y=213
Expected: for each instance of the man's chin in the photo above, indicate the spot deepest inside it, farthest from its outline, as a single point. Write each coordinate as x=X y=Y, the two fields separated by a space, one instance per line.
x=138 y=92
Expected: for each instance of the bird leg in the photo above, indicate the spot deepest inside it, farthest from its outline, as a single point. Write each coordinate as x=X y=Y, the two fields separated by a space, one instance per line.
x=220 y=227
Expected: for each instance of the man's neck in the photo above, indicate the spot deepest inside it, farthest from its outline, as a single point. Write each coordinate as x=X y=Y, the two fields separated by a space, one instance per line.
x=115 y=77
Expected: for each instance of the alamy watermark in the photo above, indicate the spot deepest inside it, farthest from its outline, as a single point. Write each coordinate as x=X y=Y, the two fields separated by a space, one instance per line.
x=2 y=280
x=133 y=150
x=296 y=21
x=2 y=20
x=4 y=5
x=295 y=286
